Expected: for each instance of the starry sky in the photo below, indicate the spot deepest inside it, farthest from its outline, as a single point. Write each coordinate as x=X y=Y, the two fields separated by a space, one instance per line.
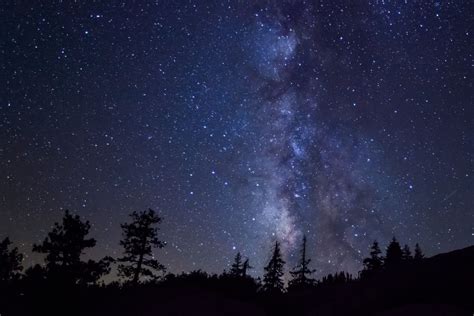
x=241 y=123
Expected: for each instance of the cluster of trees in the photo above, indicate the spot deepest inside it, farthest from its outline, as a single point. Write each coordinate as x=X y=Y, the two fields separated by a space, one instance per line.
x=394 y=256
x=69 y=284
x=68 y=240
x=301 y=275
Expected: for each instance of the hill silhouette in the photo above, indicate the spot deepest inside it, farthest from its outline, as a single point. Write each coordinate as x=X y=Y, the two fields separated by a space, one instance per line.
x=440 y=285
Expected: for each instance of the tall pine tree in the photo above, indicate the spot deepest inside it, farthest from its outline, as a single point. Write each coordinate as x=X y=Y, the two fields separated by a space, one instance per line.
x=374 y=262
x=406 y=253
x=302 y=273
x=64 y=246
x=10 y=261
x=245 y=267
x=418 y=253
x=139 y=238
x=273 y=277
x=394 y=253
x=236 y=268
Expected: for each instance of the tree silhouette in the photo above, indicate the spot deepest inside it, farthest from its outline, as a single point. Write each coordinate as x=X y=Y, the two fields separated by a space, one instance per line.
x=236 y=268
x=139 y=239
x=64 y=246
x=272 y=278
x=35 y=274
x=302 y=273
x=374 y=262
x=394 y=253
x=338 y=278
x=245 y=267
x=406 y=253
x=418 y=253
x=10 y=261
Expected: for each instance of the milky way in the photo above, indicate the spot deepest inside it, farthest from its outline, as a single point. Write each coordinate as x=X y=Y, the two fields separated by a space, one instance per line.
x=241 y=123
x=306 y=167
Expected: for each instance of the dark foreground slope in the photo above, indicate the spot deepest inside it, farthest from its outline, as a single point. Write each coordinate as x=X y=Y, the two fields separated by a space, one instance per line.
x=440 y=285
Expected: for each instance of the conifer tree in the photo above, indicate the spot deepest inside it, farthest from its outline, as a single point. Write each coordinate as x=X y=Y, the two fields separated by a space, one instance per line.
x=418 y=253
x=139 y=238
x=64 y=246
x=10 y=261
x=272 y=279
x=302 y=273
x=406 y=253
x=245 y=267
x=394 y=253
x=237 y=266
x=374 y=262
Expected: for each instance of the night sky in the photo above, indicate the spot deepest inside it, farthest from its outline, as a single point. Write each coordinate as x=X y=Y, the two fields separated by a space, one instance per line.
x=240 y=123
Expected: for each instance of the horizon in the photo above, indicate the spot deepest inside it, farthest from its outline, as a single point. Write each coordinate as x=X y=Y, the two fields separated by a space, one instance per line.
x=113 y=276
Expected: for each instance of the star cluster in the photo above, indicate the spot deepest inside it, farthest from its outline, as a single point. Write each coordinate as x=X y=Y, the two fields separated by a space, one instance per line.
x=241 y=123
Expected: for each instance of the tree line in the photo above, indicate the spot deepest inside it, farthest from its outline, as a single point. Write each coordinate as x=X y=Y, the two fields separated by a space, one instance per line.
x=65 y=244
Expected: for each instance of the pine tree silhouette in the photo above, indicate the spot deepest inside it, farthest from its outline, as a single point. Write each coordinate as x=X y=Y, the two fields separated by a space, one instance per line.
x=302 y=273
x=374 y=262
x=272 y=279
x=10 y=262
x=418 y=253
x=139 y=239
x=245 y=267
x=64 y=246
x=394 y=253
x=406 y=253
x=236 y=268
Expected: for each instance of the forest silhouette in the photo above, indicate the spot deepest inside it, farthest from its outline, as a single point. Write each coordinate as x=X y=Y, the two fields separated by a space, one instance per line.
x=394 y=281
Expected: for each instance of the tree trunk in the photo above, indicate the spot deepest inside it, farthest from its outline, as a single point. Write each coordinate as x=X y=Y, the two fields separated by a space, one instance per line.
x=140 y=262
x=138 y=269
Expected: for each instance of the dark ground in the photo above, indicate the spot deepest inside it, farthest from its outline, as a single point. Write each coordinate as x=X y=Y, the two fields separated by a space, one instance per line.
x=440 y=285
